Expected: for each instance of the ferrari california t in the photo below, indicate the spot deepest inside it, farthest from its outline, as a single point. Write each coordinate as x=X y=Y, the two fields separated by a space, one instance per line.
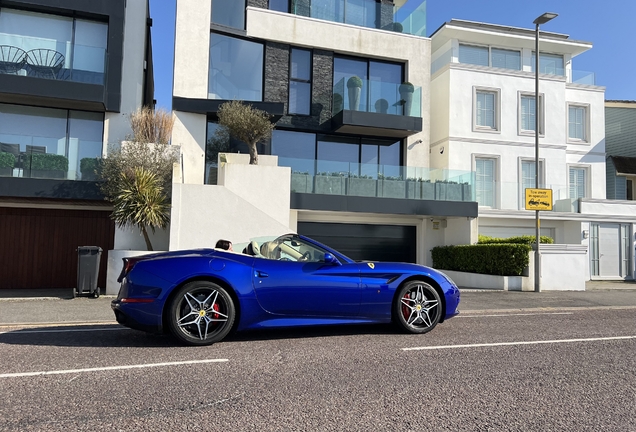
x=200 y=295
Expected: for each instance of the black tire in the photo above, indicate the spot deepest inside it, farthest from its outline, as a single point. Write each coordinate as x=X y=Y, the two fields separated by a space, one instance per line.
x=417 y=307
x=201 y=313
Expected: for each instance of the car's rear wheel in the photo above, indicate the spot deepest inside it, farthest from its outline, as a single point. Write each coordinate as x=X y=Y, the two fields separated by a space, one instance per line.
x=418 y=307
x=201 y=313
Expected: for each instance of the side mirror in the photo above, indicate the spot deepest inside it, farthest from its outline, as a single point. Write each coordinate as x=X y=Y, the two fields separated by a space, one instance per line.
x=330 y=259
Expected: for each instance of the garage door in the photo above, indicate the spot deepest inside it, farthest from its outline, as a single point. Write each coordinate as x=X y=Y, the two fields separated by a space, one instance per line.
x=365 y=241
x=38 y=247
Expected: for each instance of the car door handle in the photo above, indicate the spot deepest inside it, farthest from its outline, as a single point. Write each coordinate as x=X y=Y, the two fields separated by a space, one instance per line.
x=260 y=274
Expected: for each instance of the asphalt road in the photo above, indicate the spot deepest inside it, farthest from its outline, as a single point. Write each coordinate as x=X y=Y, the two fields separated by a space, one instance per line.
x=556 y=368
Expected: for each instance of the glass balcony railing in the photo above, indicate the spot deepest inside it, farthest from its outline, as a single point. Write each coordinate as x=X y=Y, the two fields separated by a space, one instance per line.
x=372 y=180
x=583 y=77
x=51 y=59
x=405 y=16
x=379 y=97
x=512 y=196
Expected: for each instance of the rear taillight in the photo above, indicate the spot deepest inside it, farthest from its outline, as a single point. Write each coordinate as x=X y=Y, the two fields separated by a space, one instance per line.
x=129 y=263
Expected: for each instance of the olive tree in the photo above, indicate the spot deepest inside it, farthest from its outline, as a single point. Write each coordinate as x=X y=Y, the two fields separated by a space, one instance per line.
x=246 y=123
x=137 y=173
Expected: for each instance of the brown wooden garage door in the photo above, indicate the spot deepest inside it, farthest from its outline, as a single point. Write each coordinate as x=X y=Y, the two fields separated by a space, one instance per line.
x=38 y=247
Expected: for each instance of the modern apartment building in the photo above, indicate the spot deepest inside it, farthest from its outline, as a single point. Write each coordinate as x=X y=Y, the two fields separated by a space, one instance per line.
x=483 y=91
x=348 y=83
x=70 y=72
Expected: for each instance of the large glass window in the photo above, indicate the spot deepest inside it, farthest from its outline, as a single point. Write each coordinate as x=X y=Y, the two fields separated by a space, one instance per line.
x=300 y=81
x=505 y=59
x=295 y=149
x=528 y=181
x=485 y=181
x=279 y=5
x=229 y=13
x=578 y=178
x=475 y=55
x=488 y=56
x=51 y=143
x=236 y=69
x=549 y=64
x=53 y=47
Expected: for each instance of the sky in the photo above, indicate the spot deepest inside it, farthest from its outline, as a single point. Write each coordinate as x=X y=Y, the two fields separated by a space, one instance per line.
x=609 y=25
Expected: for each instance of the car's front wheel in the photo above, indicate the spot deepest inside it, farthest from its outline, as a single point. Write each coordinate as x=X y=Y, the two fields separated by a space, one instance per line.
x=418 y=307
x=201 y=313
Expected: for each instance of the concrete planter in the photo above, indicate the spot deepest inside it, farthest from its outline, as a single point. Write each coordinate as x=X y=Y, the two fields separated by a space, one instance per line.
x=362 y=187
x=449 y=191
x=392 y=188
x=427 y=191
x=115 y=265
x=354 y=98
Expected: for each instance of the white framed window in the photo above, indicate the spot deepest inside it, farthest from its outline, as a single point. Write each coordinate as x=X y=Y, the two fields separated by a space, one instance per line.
x=490 y=56
x=527 y=179
x=486 y=112
x=528 y=112
x=486 y=180
x=578 y=123
x=577 y=181
x=549 y=64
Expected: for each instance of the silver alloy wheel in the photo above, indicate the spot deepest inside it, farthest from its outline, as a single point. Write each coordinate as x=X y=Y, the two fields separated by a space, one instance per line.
x=201 y=313
x=418 y=307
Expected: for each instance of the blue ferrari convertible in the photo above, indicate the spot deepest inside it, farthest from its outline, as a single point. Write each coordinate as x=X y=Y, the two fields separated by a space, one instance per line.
x=200 y=295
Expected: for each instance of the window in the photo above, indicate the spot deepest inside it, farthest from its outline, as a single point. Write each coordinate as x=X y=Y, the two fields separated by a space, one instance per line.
x=528 y=181
x=485 y=181
x=380 y=86
x=549 y=64
x=292 y=248
x=300 y=82
x=62 y=138
x=295 y=149
x=527 y=113
x=236 y=69
x=230 y=13
x=486 y=109
x=577 y=122
x=488 y=56
x=71 y=49
x=279 y=5
x=578 y=180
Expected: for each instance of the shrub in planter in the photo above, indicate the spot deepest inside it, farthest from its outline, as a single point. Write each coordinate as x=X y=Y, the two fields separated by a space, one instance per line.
x=46 y=165
x=301 y=182
x=381 y=106
x=89 y=168
x=391 y=187
x=361 y=185
x=332 y=183
x=526 y=239
x=492 y=259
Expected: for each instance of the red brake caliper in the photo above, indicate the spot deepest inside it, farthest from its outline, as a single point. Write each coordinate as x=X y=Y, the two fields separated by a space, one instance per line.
x=405 y=310
x=216 y=307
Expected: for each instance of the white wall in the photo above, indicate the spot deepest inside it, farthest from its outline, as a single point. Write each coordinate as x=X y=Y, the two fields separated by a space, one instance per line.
x=192 y=48
x=189 y=132
x=131 y=238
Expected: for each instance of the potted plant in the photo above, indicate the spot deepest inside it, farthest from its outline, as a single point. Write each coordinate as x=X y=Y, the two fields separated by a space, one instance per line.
x=46 y=165
x=7 y=162
x=362 y=185
x=354 y=84
x=89 y=168
x=381 y=106
x=406 y=96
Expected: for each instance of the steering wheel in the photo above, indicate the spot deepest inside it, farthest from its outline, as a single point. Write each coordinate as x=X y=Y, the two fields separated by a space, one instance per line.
x=306 y=256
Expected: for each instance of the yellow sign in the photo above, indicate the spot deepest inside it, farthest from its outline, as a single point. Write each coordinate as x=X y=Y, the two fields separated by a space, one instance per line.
x=538 y=199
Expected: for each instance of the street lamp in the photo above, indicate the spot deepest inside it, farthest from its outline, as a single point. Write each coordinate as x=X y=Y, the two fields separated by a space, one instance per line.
x=537 y=112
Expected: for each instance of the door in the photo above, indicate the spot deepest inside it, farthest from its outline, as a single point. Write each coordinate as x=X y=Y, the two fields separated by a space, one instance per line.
x=610 y=251
x=293 y=279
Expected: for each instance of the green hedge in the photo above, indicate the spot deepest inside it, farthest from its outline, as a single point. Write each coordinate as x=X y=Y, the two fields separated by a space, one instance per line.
x=526 y=239
x=7 y=160
x=47 y=162
x=493 y=259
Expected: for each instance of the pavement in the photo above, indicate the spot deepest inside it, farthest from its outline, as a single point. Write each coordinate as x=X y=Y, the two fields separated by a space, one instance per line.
x=59 y=307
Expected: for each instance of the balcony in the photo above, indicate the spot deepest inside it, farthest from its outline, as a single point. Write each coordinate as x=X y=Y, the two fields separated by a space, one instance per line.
x=51 y=59
x=376 y=108
x=404 y=16
x=382 y=181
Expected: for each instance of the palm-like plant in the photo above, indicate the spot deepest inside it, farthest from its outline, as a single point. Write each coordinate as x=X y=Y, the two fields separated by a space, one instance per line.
x=141 y=202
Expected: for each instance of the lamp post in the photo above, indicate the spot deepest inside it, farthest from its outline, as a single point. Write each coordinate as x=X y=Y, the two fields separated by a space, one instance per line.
x=537 y=111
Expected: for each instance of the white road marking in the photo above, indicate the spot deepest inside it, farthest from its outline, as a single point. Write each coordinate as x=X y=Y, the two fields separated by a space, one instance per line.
x=518 y=343
x=110 y=368
x=19 y=332
x=513 y=314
